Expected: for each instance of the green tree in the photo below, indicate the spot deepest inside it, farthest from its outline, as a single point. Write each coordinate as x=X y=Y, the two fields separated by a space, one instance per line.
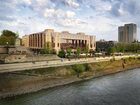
x=62 y=54
x=97 y=50
x=111 y=50
x=128 y=47
x=69 y=51
x=86 y=50
x=78 y=52
x=79 y=68
x=120 y=47
x=8 y=37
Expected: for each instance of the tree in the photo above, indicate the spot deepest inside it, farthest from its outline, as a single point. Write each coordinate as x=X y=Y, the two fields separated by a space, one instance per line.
x=97 y=50
x=62 y=54
x=68 y=53
x=9 y=37
x=111 y=50
x=78 y=52
x=86 y=50
x=78 y=68
x=127 y=47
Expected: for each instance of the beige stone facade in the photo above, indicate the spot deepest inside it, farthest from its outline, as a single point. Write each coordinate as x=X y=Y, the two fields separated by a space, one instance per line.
x=59 y=40
x=25 y=41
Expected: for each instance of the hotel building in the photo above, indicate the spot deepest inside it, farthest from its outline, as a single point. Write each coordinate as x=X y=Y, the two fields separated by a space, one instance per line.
x=58 y=40
x=127 y=33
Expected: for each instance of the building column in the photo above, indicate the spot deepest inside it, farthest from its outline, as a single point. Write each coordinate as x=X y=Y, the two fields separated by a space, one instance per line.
x=40 y=40
x=43 y=40
x=37 y=40
x=32 y=41
x=76 y=43
x=29 y=40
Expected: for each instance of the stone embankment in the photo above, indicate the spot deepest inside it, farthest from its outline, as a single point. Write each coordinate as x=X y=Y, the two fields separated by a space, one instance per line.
x=21 y=82
x=55 y=63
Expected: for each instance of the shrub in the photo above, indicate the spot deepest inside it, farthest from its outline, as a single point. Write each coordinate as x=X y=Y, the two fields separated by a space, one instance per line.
x=88 y=67
x=78 y=68
x=130 y=58
x=62 y=54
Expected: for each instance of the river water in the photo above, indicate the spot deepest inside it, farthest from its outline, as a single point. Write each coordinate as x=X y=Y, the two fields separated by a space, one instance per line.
x=117 y=89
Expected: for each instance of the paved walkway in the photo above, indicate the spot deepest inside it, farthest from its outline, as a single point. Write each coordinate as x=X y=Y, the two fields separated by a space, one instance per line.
x=45 y=64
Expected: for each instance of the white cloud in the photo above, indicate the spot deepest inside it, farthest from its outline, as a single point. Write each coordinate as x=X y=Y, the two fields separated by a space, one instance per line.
x=70 y=22
x=50 y=13
x=42 y=2
x=58 y=13
x=63 y=18
x=29 y=2
x=72 y=3
x=70 y=14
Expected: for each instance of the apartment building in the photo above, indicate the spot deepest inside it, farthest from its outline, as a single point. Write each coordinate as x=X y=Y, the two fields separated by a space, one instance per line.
x=127 y=33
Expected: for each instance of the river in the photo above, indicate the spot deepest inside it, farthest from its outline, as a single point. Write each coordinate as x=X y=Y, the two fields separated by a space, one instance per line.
x=117 y=89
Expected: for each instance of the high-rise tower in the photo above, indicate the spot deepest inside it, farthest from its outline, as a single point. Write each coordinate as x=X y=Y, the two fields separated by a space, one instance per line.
x=127 y=33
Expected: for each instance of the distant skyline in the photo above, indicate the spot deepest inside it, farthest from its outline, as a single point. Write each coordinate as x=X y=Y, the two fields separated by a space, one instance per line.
x=94 y=17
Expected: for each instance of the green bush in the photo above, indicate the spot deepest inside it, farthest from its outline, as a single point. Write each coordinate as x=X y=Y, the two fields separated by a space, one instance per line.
x=62 y=54
x=78 y=68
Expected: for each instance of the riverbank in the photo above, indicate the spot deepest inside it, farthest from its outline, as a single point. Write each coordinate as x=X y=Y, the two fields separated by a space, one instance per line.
x=34 y=80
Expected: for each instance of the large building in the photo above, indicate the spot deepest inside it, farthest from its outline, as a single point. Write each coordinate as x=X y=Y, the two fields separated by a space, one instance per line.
x=103 y=46
x=63 y=40
x=127 y=33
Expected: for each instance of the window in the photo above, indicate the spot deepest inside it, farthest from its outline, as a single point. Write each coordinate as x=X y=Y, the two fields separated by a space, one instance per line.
x=91 y=45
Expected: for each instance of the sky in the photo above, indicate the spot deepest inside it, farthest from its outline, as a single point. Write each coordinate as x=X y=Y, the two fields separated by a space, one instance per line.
x=93 y=17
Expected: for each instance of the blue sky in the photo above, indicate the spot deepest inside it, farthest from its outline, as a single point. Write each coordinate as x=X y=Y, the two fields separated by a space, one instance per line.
x=94 y=17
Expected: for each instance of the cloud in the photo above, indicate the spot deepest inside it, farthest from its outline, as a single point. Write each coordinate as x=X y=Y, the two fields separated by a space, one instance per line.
x=71 y=3
x=7 y=18
x=67 y=3
x=70 y=14
x=70 y=22
x=28 y=2
x=58 y=13
x=97 y=17
x=61 y=17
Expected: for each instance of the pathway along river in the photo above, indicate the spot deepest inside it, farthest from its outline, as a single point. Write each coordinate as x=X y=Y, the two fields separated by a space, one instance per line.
x=117 y=89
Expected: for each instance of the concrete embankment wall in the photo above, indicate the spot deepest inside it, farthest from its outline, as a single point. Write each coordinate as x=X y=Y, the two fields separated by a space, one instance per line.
x=17 y=83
